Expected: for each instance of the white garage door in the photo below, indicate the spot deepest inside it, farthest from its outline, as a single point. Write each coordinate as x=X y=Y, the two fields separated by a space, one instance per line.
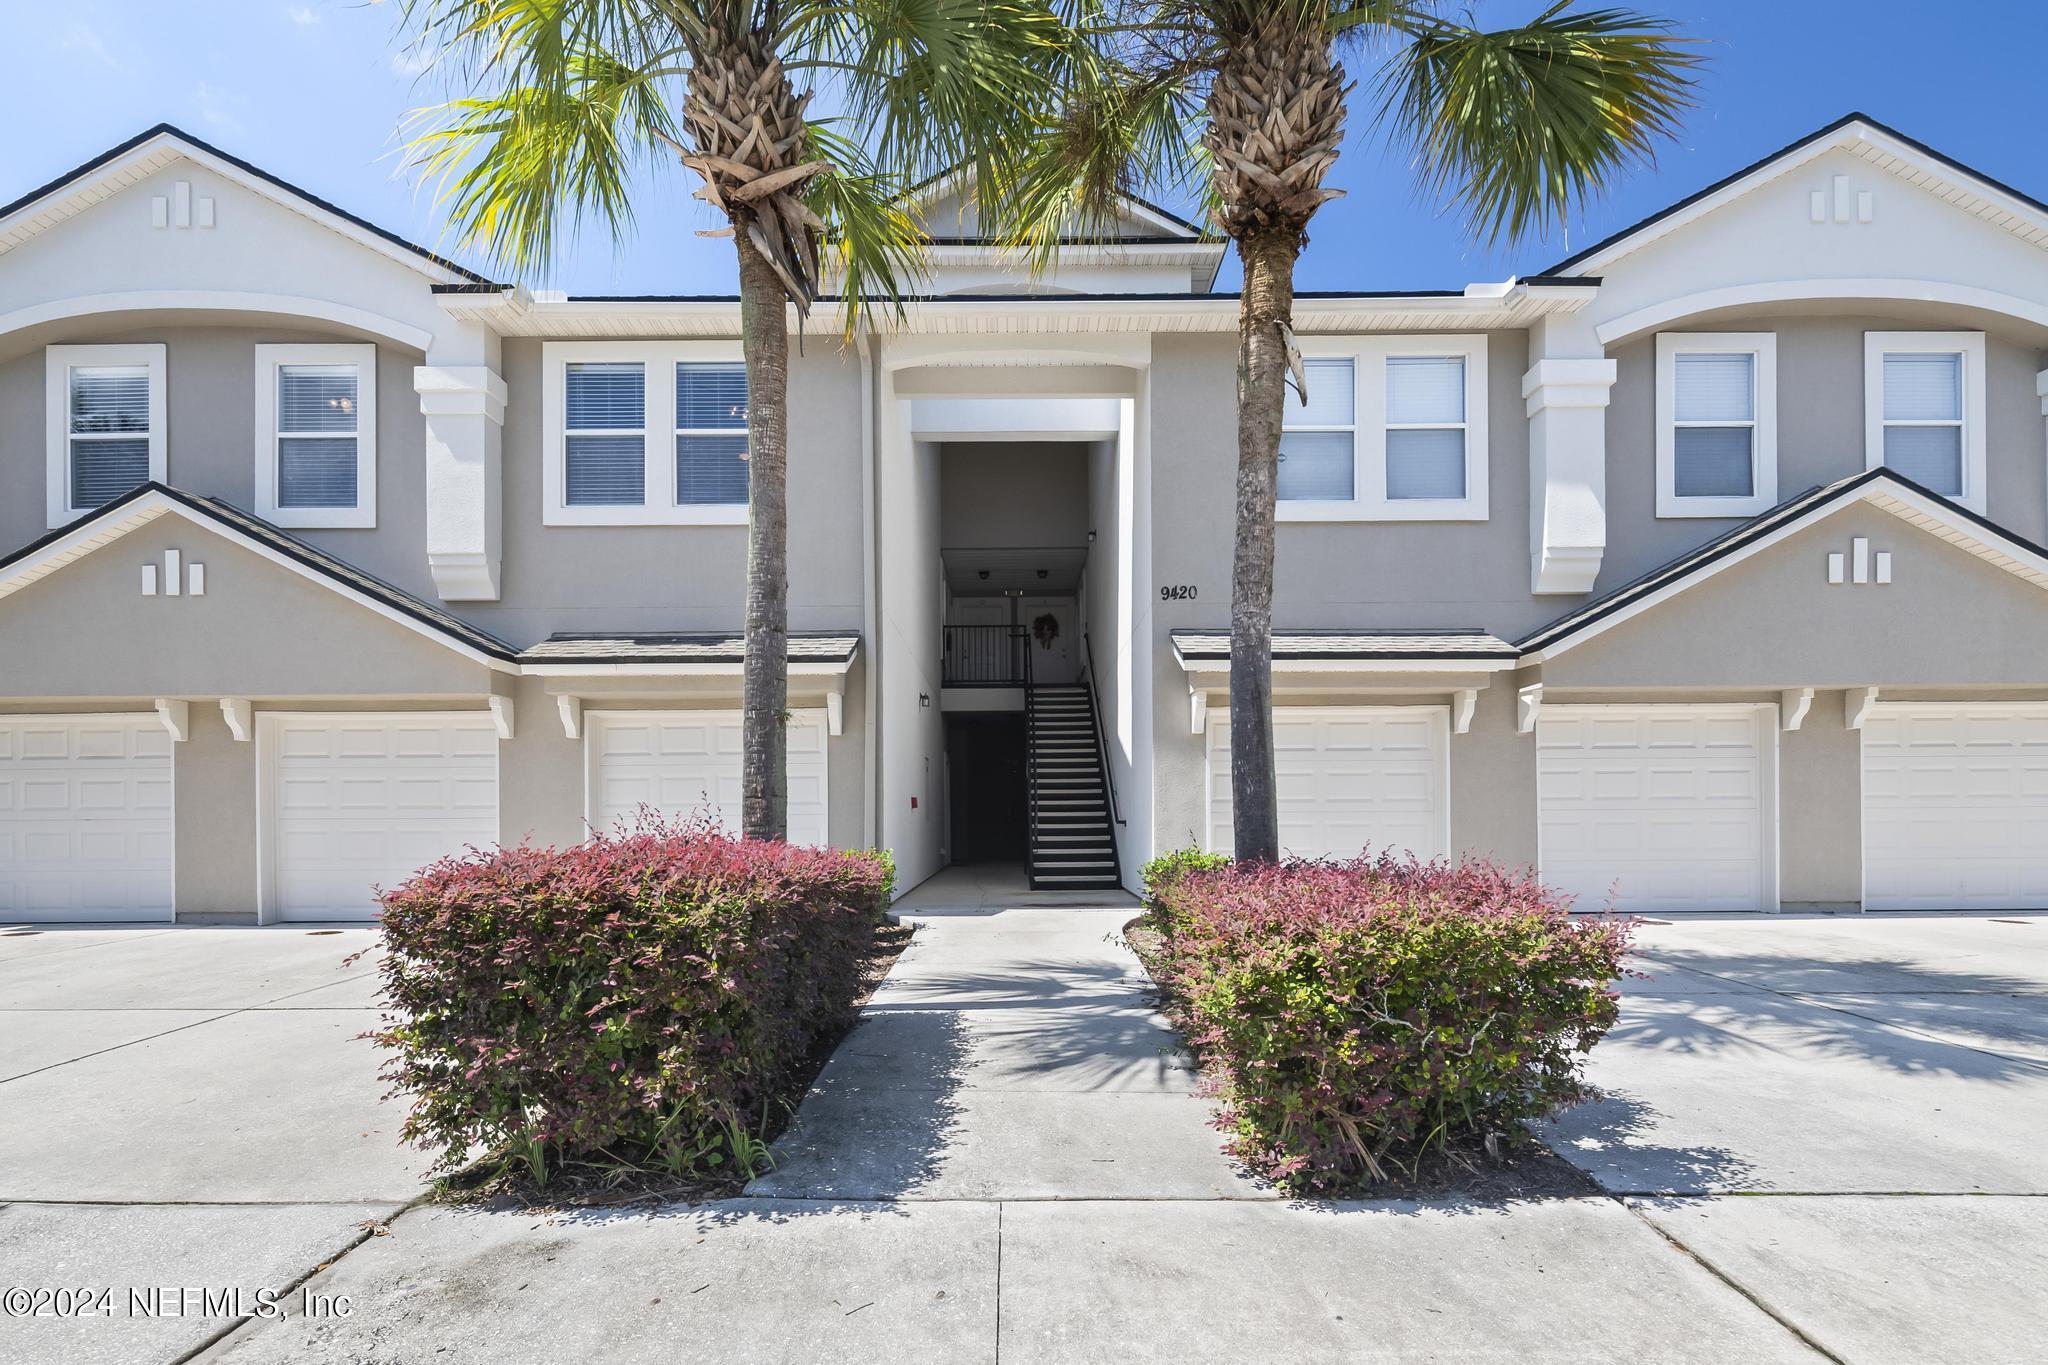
x=1349 y=777
x=1955 y=808
x=85 y=818
x=1659 y=807
x=356 y=801
x=683 y=763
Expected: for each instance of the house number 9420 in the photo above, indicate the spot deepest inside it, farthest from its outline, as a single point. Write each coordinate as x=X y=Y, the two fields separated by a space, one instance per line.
x=1177 y=592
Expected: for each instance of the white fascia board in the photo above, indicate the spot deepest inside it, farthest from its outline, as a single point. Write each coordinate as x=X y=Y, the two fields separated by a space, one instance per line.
x=721 y=669
x=1887 y=494
x=1221 y=667
x=72 y=197
x=104 y=530
x=1481 y=307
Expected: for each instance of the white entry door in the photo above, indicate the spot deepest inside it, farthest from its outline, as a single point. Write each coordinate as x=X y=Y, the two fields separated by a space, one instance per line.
x=1052 y=632
x=1955 y=807
x=1350 y=777
x=355 y=801
x=682 y=763
x=86 y=828
x=1658 y=807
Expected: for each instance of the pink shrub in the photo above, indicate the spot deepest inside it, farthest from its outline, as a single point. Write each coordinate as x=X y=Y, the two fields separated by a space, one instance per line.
x=641 y=993
x=1358 y=1014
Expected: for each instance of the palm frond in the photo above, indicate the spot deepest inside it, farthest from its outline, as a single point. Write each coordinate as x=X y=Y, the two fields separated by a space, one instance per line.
x=1520 y=125
x=571 y=104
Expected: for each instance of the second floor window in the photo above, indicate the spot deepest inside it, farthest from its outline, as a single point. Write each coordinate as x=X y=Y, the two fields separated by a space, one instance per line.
x=1394 y=429
x=711 y=433
x=107 y=434
x=316 y=435
x=1924 y=410
x=612 y=457
x=604 y=445
x=1716 y=424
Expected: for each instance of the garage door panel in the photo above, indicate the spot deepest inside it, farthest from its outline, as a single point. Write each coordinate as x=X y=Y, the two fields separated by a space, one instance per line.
x=85 y=818
x=354 y=802
x=1955 y=808
x=1662 y=808
x=683 y=764
x=1347 y=778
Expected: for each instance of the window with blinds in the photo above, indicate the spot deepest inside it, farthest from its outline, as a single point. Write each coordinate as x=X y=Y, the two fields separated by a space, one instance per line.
x=319 y=411
x=1714 y=425
x=1425 y=427
x=604 y=452
x=108 y=432
x=1319 y=438
x=1923 y=418
x=711 y=433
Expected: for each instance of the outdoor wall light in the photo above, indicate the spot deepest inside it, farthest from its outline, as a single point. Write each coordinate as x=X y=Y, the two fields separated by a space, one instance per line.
x=1042 y=574
x=982 y=574
x=924 y=700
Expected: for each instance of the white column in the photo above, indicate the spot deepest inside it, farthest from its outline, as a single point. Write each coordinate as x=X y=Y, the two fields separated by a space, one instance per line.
x=464 y=407
x=2041 y=388
x=1566 y=392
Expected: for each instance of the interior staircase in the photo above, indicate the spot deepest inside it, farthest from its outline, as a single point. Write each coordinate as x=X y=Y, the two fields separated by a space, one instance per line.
x=1073 y=838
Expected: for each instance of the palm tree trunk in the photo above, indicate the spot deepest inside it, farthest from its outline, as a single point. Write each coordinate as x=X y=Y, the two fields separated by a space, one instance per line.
x=1267 y=309
x=764 y=801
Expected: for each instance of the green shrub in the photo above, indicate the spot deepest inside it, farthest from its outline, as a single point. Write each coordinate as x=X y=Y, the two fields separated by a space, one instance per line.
x=636 y=999
x=1168 y=868
x=1355 y=1016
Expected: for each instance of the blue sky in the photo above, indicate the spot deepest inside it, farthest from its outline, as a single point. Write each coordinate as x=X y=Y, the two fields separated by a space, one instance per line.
x=316 y=91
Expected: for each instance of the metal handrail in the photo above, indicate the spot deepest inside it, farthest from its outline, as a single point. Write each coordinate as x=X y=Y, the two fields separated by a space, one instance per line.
x=1030 y=772
x=985 y=656
x=1101 y=736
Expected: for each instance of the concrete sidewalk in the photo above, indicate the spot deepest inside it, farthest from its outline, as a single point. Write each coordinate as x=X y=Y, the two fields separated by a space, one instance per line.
x=1011 y=1054
x=1820 y=1142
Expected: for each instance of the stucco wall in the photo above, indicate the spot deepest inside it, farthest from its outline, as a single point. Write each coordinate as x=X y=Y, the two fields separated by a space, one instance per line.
x=1773 y=621
x=998 y=494
x=210 y=378
x=261 y=630
x=1820 y=810
x=214 y=780
x=651 y=578
x=1820 y=425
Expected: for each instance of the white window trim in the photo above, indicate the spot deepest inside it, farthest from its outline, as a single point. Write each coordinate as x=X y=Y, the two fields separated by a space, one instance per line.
x=658 y=441
x=58 y=362
x=268 y=361
x=1763 y=347
x=1369 y=500
x=1969 y=345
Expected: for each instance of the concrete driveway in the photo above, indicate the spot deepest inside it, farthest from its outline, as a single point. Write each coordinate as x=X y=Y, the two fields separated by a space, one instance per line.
x=183 y=1107
x=1822 y=1141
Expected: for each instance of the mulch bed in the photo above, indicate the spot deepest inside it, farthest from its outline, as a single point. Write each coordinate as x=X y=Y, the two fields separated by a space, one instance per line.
x=495 y=1185
x=1528 y=1169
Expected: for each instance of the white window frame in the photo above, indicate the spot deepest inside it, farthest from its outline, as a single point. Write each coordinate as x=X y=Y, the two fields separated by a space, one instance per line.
x=269 y=360
x=658 y=440
x=1970 y=346
x=1762 y=347
x=1369 y=500
x=58 y=362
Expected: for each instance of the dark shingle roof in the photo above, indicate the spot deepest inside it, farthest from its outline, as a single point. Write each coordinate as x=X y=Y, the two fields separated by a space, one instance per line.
x=1422 y=645
x=704 y=647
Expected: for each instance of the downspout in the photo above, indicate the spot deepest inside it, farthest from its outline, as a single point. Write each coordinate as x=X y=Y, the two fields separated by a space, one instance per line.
x=870 y=607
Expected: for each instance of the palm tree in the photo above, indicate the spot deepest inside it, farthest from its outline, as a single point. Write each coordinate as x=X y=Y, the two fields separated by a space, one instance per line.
x=562 y=101
x=1516 y=126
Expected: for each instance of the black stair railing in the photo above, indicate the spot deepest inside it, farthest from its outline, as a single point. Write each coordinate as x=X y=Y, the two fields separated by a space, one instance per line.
x=985 y=656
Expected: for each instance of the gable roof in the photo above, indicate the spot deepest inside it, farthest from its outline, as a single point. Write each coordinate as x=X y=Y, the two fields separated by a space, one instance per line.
x=1881 y=488
x=155 y=148
x=1165 y=225
x=1885 y=147
x=144 y=504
